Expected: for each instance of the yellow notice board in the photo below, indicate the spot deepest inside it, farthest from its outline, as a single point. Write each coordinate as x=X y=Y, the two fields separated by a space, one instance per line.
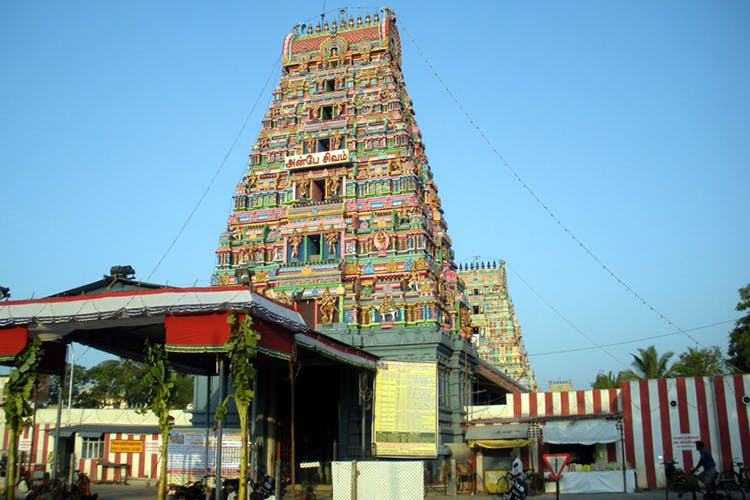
x=405 y=416
x=125 y=446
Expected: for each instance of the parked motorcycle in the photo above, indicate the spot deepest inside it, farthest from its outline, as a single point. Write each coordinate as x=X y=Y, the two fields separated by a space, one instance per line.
x=263 y=488
x=517 y=490
x=194 y=490
x=81 y=489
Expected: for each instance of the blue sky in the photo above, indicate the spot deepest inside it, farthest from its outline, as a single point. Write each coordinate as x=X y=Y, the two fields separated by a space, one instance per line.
x=629 y=121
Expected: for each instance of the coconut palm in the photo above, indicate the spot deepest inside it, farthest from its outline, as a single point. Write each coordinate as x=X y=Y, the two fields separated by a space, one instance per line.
x=648 y=364
x=607 y=381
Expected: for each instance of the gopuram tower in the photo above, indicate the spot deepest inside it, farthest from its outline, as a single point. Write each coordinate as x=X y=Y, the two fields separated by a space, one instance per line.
x=338 y=211
x=495 y=328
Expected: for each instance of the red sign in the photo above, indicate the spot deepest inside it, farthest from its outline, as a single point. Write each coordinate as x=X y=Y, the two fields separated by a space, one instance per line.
x=556 y=463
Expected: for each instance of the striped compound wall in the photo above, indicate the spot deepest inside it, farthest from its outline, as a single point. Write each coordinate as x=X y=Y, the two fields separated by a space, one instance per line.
x=545 y=404
x=665 y=417
x=661 y=418
x=139 y=465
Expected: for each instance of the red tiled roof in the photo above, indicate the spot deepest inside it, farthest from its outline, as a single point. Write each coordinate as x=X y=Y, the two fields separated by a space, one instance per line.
x=301 y=45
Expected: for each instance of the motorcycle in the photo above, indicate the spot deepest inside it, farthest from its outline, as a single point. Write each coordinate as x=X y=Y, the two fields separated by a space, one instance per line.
x=518 y=489
x=194 y=490
x=81 y=489
x=263 y=488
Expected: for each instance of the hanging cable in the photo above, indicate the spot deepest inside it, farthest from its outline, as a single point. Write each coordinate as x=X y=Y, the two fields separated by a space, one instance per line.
x=218 y=170
x=539 y=201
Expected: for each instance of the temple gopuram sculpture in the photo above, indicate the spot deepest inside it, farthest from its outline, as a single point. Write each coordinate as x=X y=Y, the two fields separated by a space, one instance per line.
x=338 y=189
x=338 y=212
x=495 y=328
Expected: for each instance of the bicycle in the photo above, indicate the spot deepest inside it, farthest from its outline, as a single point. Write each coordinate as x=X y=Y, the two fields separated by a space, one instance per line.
x=511 y=488
x=533 y=482
x=676 y=479
x=502 y=485
x=742 y=476
x=718 y=489
x=732 y=484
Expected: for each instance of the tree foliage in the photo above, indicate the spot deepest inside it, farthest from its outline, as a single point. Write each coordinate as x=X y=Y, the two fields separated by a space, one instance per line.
x=701 y=362
x=114 y=383
x=240 y=349
x=739 y=338
x=159 y=389
x=648 y=364
x=18 y=394
x=607 y=381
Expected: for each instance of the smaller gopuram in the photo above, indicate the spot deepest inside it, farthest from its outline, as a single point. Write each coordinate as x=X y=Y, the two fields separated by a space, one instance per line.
x=494 y=324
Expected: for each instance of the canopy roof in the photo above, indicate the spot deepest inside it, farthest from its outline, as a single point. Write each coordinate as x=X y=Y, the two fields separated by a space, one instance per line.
x=489 y=375
x=498 y=436
x=191 y=322
x=588 y=431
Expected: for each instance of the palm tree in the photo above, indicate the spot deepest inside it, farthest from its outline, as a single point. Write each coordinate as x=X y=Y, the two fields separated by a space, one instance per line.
x=649 y=365
x=607 y=381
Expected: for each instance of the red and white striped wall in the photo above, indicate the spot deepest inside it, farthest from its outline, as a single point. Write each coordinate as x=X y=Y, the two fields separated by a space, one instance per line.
x=545 y=404
x=139 y=465
x=663 y=417
x=37 y=443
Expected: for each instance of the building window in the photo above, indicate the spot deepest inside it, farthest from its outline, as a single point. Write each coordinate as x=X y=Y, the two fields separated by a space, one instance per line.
x=92 y=447
x=330 y=85
x=313 y=248
x=323 y=145
x=475 y=309
x=476 y=291
x=326 y=112
x=318 y=191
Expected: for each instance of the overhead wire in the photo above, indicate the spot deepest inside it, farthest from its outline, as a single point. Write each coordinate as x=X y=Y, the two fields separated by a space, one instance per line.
x=219 y=168
x=608 y=270
x=564 y=318
x=631 y=341
x=229 y=151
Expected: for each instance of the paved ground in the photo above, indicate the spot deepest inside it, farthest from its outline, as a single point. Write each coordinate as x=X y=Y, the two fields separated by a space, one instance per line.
x=142 y=491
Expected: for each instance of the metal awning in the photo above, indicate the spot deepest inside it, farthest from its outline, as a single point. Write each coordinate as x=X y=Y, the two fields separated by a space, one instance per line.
x=97 y=430
x=498 y=436
x=588 y=432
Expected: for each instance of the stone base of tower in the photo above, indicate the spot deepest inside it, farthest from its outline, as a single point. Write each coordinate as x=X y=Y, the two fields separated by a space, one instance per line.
x=455 y=358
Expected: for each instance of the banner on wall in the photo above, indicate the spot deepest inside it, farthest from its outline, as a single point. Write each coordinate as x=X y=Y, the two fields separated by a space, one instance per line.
x=189 y=458
x=405 y=413
x=126 y=446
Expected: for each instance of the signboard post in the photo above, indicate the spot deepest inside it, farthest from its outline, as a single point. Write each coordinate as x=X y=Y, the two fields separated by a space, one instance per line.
x=556 y=463
x=406 y=410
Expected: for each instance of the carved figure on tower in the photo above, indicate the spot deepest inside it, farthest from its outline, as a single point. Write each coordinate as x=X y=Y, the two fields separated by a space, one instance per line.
x=327 y=307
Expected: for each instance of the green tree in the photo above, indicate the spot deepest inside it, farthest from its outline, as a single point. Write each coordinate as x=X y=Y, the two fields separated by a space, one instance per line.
x=59 y=393
x=115 y=382
x=240 y=349
x=105 y=385
x=647 y=364
x=701 y=362
x=18 y=393
x=158 y=385
x=739 y=339
x=607 y=381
